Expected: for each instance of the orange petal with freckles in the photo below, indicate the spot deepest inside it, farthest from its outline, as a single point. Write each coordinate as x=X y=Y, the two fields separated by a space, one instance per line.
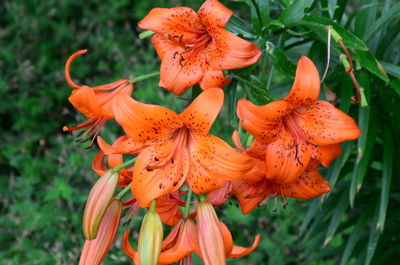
x=200 y=115
x=84 y=99
x=164 y=46
x=213 y=78
x=177 y=23
x=305 y=89
x=263 y=122
x=213 y=13
x=233 y=251
x=180 y=71
x=285 y=160
x=218 y=158
x=228 y=51
x=326 y=124
x=250 y=194
x=157 y=174
x=326 y=154
x=143 y=122
x=309 y=185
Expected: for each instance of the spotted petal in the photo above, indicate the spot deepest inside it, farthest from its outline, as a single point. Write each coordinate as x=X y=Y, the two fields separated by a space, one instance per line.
x=326 y=124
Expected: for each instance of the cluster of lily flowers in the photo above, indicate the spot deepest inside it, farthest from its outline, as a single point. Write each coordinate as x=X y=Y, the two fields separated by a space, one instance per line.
x=175 y=157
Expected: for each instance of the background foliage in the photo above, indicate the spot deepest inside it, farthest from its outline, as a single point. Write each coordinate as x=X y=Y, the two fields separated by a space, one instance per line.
x=45 y=176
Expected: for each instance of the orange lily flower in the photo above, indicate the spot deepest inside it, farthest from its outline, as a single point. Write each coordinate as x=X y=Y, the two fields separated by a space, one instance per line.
x=215 y=239
x=250 y=194
x=298 y=128
x=195 y=47
x=93 y=102
x=177 y=148
x=177 y=246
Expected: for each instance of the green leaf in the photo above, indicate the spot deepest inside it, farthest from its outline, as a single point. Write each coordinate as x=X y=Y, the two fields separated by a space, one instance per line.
x=368 y=60
x=336 y=218
x=312 y=210
x=381 y=22
x=363 y=124
x=373 y=239
x=280 y=61
x=391 y=69
x=358 y=230
x=294 y=12
x=386 y=176
x=238 y=26
x=319 y=26
x=361 y=166
x=335 y=169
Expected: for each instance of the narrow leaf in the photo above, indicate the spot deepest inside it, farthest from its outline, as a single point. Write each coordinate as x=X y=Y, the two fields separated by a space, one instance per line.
x=354 y=237
x=386 y=176
x=294 y=12
x=336 y=218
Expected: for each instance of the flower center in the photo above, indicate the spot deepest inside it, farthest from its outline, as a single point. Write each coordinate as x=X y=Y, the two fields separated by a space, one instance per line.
x=191 y=46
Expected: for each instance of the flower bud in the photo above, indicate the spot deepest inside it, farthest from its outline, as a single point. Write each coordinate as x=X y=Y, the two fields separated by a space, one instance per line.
x=95 y=250
x=211 y=240
x=150 y=238
x=99 y=198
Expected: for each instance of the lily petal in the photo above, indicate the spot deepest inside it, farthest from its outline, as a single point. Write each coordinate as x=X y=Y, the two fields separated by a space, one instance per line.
x=156 y=174
x=238 y=251
x=228 y=51
x=219 y=159
x=305 y=89
x=285 y=160
x=143 y=122
x=250 y=194
x=85 y=100
x=326 y=154
x=123 y=145
x=213 y=78
x=233 y=251
x=200 y=115
x=176 y=23
x=326 y=124
x=98 y=164
x=263 y=122
x=212 y=12
x=181 y=242
x=309 y=185
x=179 y=71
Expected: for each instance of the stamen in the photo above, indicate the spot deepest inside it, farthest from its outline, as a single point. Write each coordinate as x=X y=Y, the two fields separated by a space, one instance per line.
x=68 y=65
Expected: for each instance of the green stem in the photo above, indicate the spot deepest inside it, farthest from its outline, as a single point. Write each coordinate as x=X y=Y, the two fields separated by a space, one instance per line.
x=144 y=77
x=153 y=206
x=145 y=34
x=188 y=201
x=124 y=165
x=122 y=193
x=203 y=198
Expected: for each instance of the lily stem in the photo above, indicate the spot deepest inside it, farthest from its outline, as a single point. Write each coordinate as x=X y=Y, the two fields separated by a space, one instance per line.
x=144 y=77
x=188 y=201
x=122 y=193
x=153 y=206
x=124 y=165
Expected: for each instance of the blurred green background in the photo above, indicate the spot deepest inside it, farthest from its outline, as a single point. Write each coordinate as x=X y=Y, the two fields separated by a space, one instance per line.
x=45 y=176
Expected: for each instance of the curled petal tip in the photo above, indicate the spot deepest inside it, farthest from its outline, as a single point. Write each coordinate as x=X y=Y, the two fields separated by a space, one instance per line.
x=68 y=65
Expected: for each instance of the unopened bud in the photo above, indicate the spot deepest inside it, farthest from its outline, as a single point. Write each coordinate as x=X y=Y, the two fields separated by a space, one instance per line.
x=99 y=198
x=95 y=250
x=211 y=240
x=150 y=238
